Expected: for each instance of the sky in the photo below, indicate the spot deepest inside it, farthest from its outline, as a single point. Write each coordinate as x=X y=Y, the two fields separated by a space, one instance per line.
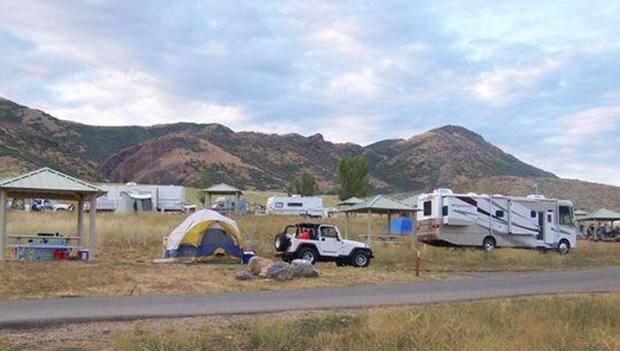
x=540 y=79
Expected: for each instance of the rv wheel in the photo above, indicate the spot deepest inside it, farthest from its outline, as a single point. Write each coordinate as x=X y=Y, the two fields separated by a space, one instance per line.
x=563 y=247
x=488 y=244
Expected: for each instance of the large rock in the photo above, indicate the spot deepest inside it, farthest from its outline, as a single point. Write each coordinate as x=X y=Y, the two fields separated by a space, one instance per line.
x=303 y=268
x=259 y=264
x=278 y=271
x=243 y=275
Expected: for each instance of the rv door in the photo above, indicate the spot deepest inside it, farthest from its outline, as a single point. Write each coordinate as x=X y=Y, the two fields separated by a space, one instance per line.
x=549 y=227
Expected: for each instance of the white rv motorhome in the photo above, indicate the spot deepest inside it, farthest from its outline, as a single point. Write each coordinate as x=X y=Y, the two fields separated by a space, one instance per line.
x=448 y=219
x=162 y=197
x=296 y=205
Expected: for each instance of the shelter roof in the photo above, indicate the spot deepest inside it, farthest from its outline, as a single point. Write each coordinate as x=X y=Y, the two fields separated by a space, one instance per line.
x=223 y=189
x=602 y=215
x=49 y=183
x=379 y=204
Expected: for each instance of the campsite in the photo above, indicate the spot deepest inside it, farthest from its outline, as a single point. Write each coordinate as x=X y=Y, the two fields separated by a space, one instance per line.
x=309 y=175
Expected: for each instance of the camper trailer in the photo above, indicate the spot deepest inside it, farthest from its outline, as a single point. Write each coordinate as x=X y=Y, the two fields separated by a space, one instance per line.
x=123 y=197
x=448 y=219
x=296 y=205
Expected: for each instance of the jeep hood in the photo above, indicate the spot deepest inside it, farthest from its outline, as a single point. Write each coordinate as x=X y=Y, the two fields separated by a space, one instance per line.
x=355 y=243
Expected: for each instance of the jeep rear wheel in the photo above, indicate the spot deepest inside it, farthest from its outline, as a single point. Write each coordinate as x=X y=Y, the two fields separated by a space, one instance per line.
x=360 y=259
x=281 y=242
x=308 y=254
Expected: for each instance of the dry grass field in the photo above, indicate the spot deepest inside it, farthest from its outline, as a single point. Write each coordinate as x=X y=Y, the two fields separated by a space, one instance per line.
x=585 y=322
x=127 y=245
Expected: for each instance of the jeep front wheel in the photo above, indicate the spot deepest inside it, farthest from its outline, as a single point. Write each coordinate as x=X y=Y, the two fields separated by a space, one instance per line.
x=360 y=259
x=308 y=254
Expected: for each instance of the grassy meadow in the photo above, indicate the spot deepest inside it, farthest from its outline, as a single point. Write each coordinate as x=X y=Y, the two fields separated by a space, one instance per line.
x=584 y=322
x=127 y=245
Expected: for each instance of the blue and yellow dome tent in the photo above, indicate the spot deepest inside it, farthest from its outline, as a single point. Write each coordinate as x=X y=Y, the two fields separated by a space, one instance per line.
x=206 y=236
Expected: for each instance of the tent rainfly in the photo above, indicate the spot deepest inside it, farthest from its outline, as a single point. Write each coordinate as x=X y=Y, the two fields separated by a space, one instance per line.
x=226 y=190
x=47 y=183
x=378 y=204
x=206 y=236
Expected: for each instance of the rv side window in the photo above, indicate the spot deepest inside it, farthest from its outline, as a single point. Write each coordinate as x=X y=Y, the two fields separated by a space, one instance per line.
x=427 y=208
x=279 y=205
x=499 y=214
x=565 y=216
x=549 y=218
x=533 y=214
x=294 y=204
x=444 y=211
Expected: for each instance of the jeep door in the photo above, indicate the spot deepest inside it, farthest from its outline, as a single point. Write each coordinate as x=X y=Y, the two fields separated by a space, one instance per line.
x=329 y=243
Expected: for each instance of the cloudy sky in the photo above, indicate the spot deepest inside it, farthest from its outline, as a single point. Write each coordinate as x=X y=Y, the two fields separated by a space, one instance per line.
x=537 y=78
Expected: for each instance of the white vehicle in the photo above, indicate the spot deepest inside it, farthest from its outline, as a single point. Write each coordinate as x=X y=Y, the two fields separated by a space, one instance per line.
x=448 y=219
x=296 y=205
x=320 y=242
x=162 y=197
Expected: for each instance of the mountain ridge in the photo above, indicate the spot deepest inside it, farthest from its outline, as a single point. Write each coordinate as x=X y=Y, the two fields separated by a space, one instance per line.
x=176 y=153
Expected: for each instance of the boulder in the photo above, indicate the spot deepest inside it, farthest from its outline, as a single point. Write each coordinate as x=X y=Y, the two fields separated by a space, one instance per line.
x=278 y=271
x=243 y=275
x=259 y=264
x=303 y=268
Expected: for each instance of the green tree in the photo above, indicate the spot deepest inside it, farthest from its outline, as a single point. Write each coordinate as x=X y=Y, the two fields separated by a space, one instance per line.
x=304 y=185
x=205 y=179
x=205 y=182
x=353 y=175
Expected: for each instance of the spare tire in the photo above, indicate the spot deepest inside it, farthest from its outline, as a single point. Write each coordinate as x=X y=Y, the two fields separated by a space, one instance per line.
x=282 y=242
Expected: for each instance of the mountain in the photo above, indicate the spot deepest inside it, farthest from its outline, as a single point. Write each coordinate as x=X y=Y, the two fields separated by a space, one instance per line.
x=449 y=156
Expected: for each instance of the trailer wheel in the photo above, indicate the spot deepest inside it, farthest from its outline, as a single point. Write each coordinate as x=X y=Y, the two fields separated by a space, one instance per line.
x=488 y=244
x=563 y=247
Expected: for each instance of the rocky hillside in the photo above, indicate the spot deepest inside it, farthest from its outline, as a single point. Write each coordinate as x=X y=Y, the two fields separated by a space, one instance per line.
x=177 y=153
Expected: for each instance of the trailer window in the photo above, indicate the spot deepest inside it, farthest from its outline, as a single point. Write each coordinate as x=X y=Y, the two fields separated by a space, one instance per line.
x=444 y=211
x=566 y=217
x=549 y=218
x=427 y=208
x=279 y=205
x=533 y=214
x=499 y=214
x=295 y=204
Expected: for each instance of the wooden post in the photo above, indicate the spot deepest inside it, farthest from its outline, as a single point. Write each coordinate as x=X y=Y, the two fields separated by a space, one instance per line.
x=3 y=220
x=389 y=217
x=369 y=227
x=92 y=225
x=208 y=201
x=414 y=244
x=80 y=220
x=346 y=225
x=237 y=205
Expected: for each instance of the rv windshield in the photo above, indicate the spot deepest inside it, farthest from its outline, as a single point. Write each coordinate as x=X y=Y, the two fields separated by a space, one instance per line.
x=566 y=216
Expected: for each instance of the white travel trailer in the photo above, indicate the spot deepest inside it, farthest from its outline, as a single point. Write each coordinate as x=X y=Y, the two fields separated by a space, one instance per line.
x=448 y=219
x=124 y=197
x=296 y=205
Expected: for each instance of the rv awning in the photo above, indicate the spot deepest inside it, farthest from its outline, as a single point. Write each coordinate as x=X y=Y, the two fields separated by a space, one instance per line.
x=602 y=215
x=138 y=196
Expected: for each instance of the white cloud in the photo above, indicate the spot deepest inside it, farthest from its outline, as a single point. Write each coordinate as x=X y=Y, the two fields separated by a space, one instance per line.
x=503 y=86
x=363 y=84
x=586 y=126
x=113 y=97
